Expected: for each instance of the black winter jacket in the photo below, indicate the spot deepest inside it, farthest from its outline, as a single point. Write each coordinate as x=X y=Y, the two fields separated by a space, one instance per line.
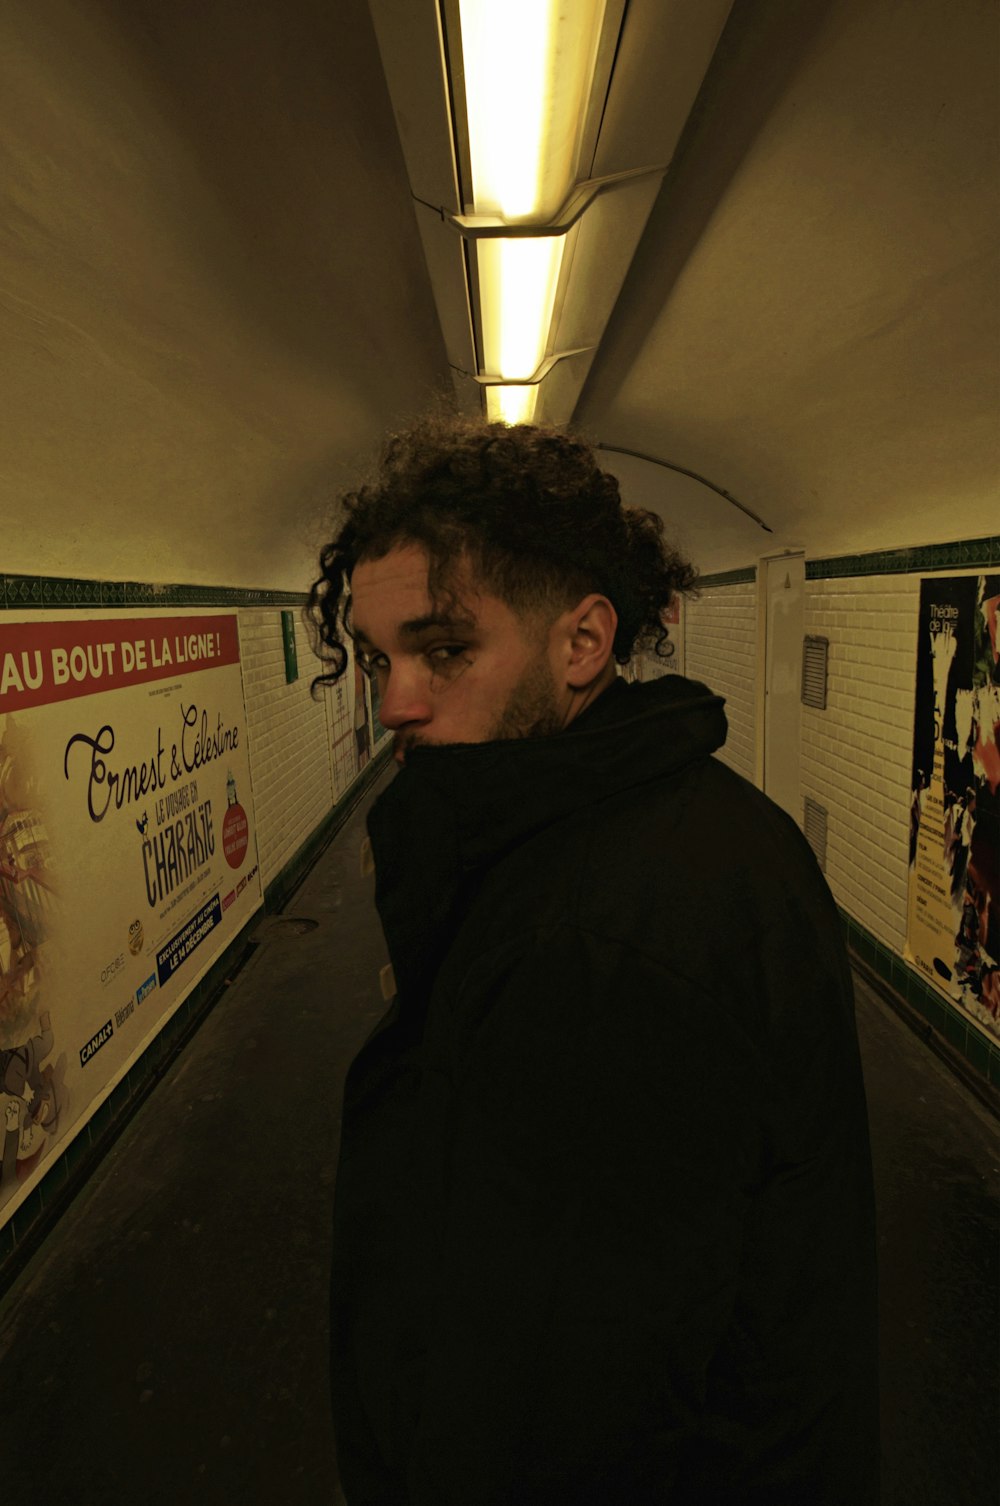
x=603 y=1228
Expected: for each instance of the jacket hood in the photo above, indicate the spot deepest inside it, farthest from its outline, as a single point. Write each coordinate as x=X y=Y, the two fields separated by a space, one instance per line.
x=457 y=808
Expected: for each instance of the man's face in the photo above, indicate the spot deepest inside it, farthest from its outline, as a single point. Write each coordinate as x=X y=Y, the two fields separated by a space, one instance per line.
x=479 y=675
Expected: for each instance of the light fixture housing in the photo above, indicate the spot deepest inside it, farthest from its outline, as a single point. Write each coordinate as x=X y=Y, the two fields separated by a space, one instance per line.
x=528 y=69
x=586 y=190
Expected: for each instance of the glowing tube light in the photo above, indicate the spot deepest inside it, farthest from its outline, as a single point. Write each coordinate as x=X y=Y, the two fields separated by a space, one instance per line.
x=529 y=65
x=519 y=280
x=528 y=71
x=506 y=50
x=511 y=405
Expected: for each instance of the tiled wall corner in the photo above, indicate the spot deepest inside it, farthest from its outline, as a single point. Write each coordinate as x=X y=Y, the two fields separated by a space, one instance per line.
x=856 y=755
x=720 y=649
x=289 y=740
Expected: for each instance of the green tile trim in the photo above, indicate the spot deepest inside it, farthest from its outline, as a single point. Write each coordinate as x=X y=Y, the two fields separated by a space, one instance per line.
x=994 y=1069
x=961 y=554
x=69 y=1169
x=48 y=592
x=728 y=577
x=951 y=1023
x=977 y=1049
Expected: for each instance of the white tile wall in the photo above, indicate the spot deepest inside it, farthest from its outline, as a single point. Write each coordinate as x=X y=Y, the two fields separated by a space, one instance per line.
x=289 y=739
x=856 y=755
x=720 y=649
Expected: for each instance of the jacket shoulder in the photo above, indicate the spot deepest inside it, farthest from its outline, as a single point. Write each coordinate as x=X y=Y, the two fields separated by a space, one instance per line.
x=656 y=864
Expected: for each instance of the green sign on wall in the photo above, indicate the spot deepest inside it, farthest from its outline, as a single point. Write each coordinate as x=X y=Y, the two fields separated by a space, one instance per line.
x=288 y=638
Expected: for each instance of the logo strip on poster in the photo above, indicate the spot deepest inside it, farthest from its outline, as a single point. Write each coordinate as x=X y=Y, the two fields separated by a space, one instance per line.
x=180 y=947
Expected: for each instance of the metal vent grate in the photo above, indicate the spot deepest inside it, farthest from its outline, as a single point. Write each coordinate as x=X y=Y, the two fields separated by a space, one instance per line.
x=815 y=830
x=814 y=656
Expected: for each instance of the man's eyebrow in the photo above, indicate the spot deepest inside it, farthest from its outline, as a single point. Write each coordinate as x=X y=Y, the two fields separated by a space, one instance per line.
x=416 y=625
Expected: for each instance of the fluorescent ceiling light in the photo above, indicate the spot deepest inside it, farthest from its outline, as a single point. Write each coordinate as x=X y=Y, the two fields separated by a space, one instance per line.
x=512 y=405
x=518 y=281
x=528 y=71
x=505 y=49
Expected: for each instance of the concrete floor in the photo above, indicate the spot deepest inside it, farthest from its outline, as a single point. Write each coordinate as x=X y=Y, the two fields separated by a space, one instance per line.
x=167 y=1345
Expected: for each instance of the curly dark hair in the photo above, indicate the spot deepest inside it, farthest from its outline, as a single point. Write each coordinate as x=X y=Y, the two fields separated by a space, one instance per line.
x=540 y=523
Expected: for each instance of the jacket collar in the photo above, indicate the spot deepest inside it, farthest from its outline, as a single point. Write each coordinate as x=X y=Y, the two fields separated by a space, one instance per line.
x=455 y=809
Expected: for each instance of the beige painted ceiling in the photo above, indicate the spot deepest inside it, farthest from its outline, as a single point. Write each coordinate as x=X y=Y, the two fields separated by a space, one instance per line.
x=214 y=299
x=811 y=318
x=212 y=292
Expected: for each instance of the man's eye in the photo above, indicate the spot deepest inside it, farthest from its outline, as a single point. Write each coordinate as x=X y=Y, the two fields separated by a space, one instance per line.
x=449 y=651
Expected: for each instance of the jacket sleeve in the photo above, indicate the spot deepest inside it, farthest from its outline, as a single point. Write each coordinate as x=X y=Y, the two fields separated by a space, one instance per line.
x=601 y=1146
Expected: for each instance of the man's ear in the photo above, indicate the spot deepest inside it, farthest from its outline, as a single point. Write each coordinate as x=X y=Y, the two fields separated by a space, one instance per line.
x=591 y=630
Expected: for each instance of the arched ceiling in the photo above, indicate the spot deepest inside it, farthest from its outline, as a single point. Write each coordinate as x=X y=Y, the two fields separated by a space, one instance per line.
x=811 y=317
x=215 y=298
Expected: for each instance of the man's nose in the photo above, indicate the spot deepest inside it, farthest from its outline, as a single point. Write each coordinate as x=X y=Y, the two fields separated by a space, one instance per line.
x=403 y=701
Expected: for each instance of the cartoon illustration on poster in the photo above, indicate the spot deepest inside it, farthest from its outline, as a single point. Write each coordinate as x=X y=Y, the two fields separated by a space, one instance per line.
x=127 y=853
x=953 y=911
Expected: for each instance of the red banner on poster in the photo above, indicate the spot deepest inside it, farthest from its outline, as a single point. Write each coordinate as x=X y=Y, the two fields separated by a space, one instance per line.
x=45 y=662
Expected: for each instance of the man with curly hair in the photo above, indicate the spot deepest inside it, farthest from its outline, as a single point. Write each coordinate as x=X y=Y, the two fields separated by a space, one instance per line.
x=603 y=1228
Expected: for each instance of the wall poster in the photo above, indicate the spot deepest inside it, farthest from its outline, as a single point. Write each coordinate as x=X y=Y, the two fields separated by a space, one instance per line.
x=127 y=853
x=953 y=909
x=351 y=729
x=650 y=666
x=380 y=732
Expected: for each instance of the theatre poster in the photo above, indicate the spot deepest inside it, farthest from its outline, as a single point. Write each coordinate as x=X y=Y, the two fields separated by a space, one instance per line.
x=953 y=911
x=127 y=852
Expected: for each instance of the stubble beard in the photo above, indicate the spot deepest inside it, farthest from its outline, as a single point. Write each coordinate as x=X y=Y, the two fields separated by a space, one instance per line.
x=531 y=709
